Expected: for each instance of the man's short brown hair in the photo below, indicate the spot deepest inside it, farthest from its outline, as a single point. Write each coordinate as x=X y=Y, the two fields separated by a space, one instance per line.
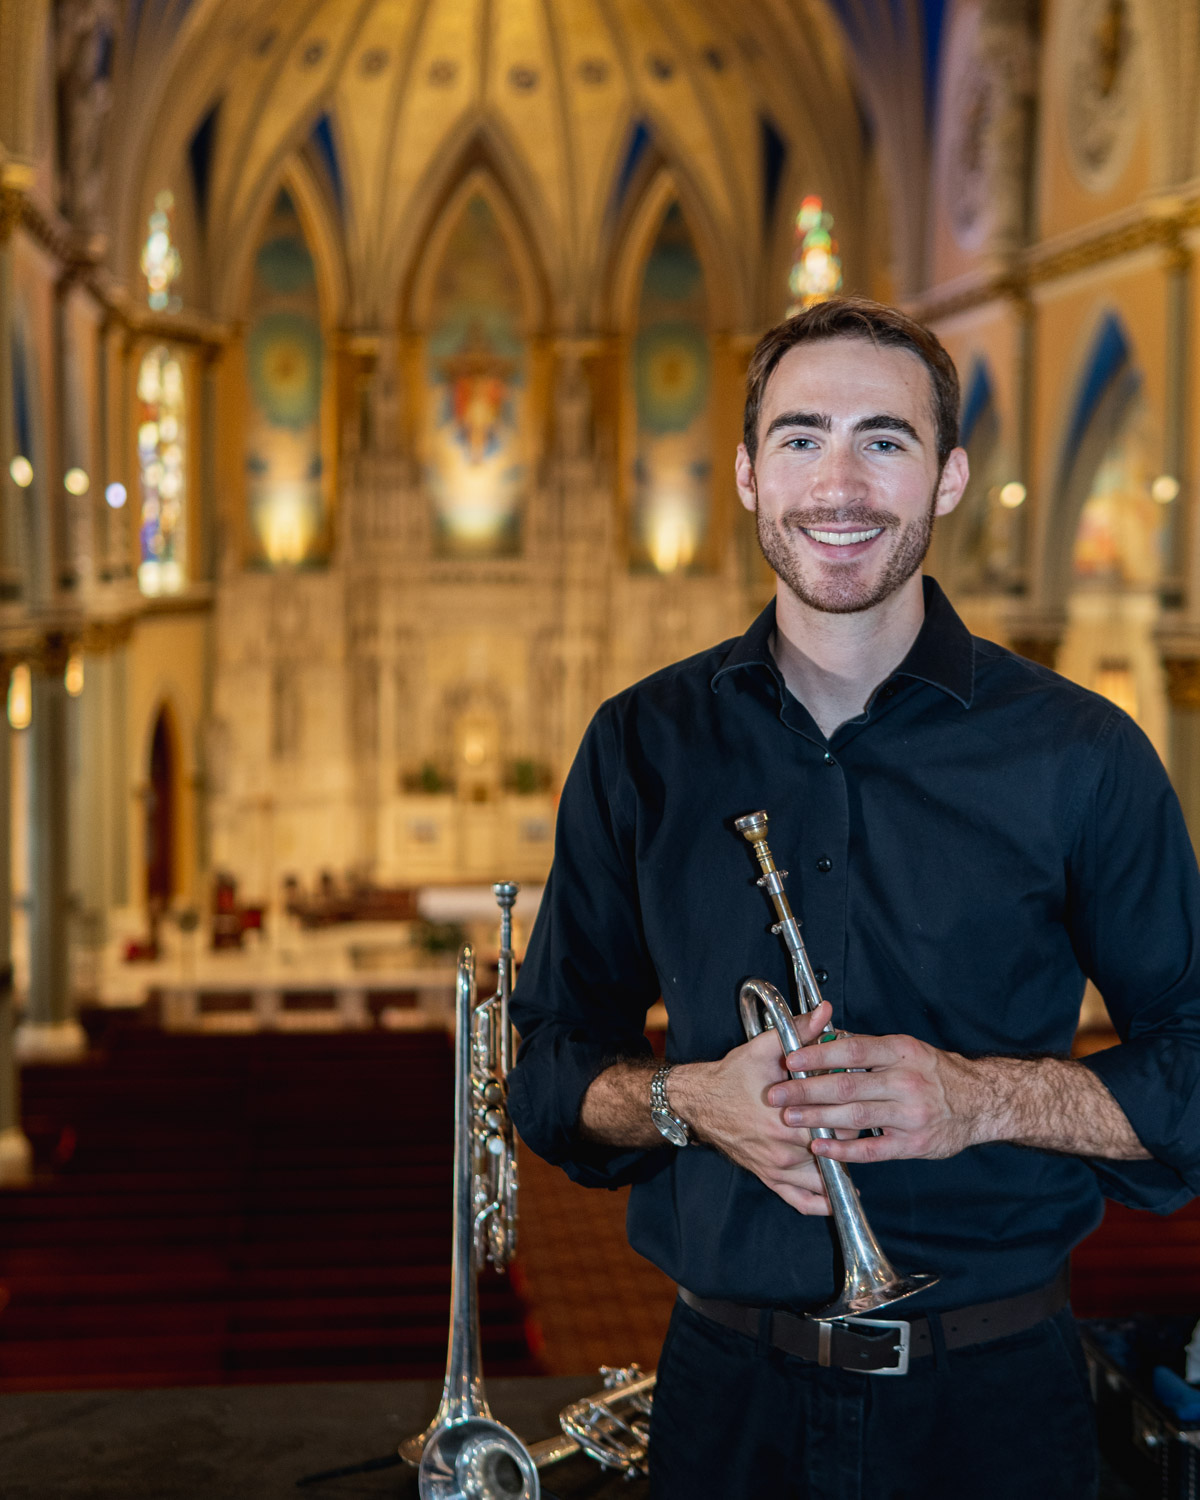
x=856 y=318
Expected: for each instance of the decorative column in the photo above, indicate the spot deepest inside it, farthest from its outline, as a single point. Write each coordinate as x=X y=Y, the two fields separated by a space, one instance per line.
x=1175 y=435
x=122 y=522
x=49 y=1031
x=1183 y=692
x=16 y=1156
x=64 y=562
x=1020 y=560
x=10 y=581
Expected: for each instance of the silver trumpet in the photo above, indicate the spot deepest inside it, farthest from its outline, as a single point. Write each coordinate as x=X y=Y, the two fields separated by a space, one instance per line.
x=465 y=1454
x=612 y=1427
x=870 y=1282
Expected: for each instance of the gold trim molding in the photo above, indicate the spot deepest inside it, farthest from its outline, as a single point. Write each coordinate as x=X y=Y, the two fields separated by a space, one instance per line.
x=1039 y=265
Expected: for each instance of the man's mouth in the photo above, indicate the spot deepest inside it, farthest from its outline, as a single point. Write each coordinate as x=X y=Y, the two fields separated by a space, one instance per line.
x=841 y=538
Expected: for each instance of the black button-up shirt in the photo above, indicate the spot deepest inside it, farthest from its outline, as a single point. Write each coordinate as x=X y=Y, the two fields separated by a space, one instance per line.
x=963 y=854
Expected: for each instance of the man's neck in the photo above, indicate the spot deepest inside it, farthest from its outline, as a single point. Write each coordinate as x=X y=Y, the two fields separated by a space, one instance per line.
x=833 y=663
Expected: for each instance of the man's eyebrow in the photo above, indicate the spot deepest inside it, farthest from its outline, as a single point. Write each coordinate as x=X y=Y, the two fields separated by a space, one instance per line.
x=880 y=422
x=818 y=419
x=884 y=422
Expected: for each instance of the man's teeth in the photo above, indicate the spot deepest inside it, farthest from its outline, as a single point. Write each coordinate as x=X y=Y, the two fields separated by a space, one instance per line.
x=842 y=538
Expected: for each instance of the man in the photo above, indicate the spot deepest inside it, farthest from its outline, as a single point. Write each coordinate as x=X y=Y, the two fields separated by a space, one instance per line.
x=969 y=837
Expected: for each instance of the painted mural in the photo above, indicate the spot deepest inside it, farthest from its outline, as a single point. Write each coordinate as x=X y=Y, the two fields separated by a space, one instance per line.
x=285 y=479
x=671 y=382
x=477 y=370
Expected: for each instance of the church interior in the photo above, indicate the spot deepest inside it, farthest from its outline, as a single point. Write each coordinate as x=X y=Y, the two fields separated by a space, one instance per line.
x=370 y=378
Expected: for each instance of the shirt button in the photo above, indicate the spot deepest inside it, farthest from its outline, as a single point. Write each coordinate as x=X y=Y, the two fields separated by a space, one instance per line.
x=824 y=864
x=822 y=976
x=829 y=760
x=890 y=690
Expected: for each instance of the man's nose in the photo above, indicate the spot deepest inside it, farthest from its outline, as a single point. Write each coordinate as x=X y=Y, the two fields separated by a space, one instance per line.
x=840 y=476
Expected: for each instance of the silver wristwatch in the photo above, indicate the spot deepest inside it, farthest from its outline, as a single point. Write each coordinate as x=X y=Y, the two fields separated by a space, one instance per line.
x=670 y=1126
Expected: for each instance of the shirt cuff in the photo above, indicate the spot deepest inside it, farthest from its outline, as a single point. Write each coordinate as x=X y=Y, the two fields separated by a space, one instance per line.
x=1154 y=1080
x=545 y=1096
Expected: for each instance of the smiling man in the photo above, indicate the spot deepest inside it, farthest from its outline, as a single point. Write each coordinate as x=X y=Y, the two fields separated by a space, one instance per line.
x=970 y=838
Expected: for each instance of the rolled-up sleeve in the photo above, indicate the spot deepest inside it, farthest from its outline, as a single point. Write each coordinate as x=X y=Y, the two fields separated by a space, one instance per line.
x=1135 y=920
x=587 y=981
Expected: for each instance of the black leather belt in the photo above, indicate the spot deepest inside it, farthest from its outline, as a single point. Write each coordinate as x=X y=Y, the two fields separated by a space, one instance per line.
x=884 y=1346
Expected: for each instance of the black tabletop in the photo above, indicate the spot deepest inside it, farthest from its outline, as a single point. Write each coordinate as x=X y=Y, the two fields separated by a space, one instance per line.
x=259 y=1442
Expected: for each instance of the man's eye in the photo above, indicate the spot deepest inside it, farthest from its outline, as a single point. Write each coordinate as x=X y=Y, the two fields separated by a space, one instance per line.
x=799 y=443
x=885 y=445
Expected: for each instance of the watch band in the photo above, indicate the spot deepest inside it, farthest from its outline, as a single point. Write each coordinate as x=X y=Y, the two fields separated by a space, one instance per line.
x=666 y=1121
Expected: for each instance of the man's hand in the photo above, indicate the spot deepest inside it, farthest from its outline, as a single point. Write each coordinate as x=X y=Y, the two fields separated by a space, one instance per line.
x=725 y=1105
x=931 y=1103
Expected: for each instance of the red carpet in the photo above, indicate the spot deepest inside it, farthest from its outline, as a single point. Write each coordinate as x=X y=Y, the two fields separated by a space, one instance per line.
x=227 y=1209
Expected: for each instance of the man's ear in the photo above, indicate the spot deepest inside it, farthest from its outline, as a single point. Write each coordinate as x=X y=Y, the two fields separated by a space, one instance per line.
x=743 y=473
x=953 y=482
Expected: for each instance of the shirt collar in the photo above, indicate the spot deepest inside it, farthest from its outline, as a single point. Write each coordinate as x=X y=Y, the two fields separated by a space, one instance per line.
x=942 y=655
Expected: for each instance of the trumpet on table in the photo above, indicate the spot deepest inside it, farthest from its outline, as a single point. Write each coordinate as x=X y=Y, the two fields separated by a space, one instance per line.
x=464 y=1453
x=869 y=1280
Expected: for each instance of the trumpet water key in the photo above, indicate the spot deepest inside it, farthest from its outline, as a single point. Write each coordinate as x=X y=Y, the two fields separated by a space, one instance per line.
x=869 y=1280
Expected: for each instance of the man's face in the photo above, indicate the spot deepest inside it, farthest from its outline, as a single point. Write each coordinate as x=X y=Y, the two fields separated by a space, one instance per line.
x=845 y=485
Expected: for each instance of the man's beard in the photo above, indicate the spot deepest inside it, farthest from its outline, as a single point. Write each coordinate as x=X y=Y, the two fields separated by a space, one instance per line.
x=837 y=590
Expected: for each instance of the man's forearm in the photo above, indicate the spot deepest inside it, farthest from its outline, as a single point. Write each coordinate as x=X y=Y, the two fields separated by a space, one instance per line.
x=930 y=1103
x=1051 y=1103
x=616 y=1108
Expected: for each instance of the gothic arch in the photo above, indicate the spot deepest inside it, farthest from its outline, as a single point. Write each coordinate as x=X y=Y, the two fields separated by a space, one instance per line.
x=322 y=236
x=477 y=157
x=1107 y=383
x=633 y=247
x=478 y=181
x=958 y=557
x=162 y=730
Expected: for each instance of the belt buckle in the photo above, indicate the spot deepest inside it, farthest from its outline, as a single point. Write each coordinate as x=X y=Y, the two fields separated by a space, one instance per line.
x=902 y=1326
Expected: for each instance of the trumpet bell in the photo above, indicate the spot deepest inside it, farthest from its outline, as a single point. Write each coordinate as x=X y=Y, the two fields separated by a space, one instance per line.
x=864 y=1293
x=476 y=1459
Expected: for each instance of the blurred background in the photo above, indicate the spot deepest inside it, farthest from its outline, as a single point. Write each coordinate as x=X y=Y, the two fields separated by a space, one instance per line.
x=370 y=375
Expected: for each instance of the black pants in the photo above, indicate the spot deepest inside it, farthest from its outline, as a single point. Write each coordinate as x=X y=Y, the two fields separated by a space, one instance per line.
x=1008 y=1420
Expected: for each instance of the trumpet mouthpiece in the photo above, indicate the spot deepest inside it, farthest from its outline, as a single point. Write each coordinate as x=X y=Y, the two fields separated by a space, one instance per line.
x=752 y=826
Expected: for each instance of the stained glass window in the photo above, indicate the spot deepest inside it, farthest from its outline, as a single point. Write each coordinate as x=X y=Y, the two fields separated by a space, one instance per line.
x=161 y=440
x=161 y=261
x=816 y=270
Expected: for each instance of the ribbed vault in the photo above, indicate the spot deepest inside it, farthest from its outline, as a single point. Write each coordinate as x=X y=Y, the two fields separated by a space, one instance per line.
x=392 y=97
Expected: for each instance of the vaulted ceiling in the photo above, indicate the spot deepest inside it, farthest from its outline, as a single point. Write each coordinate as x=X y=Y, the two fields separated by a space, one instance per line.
x=388 y=98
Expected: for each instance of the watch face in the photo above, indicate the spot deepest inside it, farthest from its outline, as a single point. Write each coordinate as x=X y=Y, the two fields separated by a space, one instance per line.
x=670 y=1127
